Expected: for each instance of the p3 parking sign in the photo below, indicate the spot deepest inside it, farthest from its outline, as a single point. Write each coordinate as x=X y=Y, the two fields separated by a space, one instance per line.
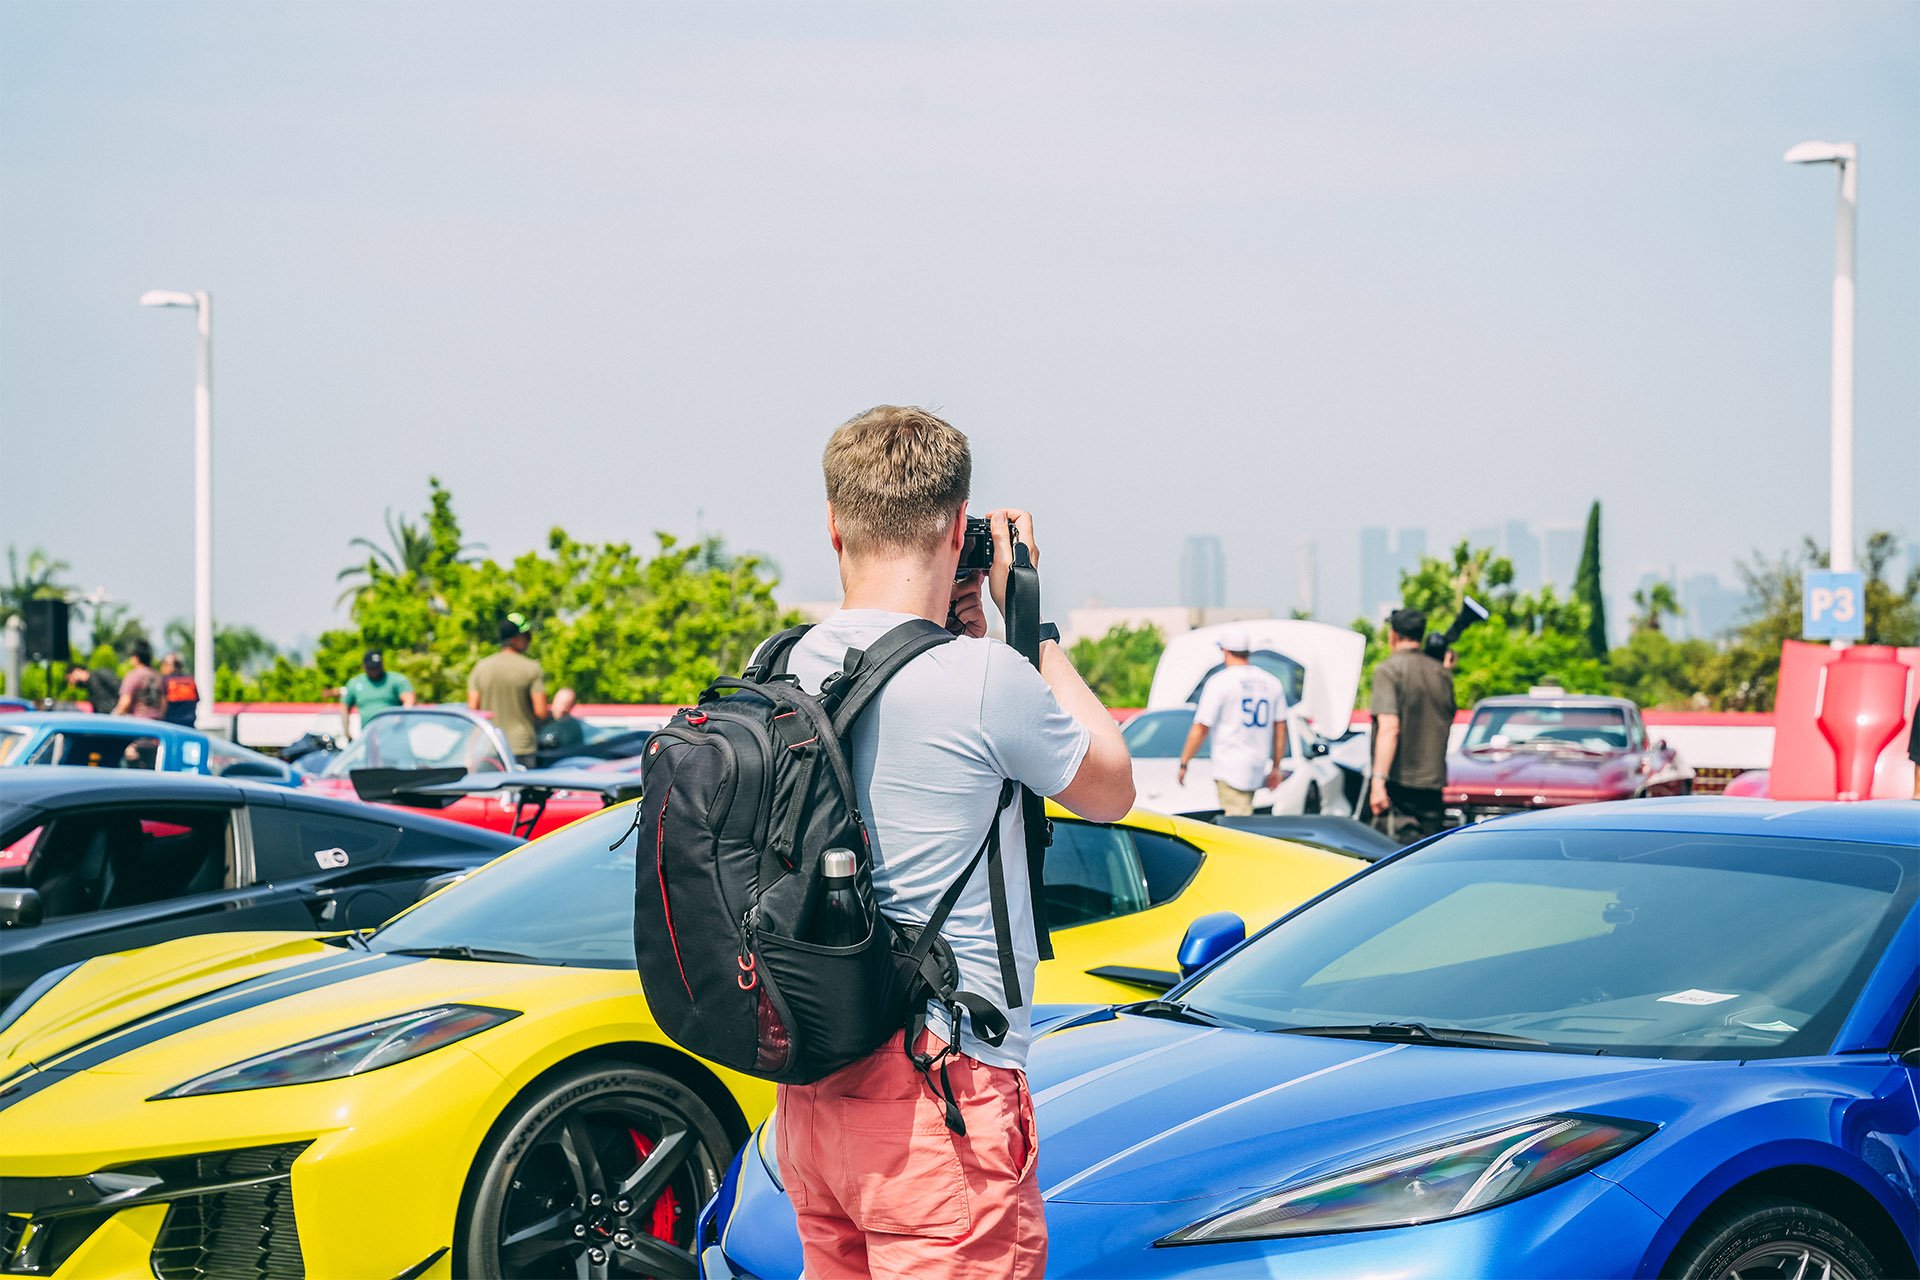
x=1835 y=607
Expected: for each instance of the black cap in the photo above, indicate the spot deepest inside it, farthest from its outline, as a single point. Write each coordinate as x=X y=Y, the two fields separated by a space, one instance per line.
x=514 y=624
x=373 y=659
x=1409 y=623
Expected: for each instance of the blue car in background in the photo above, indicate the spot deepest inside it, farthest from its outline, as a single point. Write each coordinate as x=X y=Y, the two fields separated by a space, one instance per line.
x=128 y=742
x=1664 y=1037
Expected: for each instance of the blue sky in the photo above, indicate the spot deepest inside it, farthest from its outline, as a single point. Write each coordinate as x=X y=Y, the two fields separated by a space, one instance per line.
x=1271 y=272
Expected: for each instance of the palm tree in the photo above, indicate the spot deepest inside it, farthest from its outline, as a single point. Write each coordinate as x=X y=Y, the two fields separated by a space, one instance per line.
x=410 y=552
x=39 y=581
x=239 y=649
x=113 y=625
x=1654 y=601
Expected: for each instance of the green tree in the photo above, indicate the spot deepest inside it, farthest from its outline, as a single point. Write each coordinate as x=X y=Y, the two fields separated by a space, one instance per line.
x=39 y=577
x=111 y=625
x=1586 y=585
x=239 y=649
x=1119 y=665
x=411 y=550
x=1653 y=602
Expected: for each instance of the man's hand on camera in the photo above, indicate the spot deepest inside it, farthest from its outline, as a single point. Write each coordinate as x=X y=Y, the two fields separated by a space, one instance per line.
x=966 y=615
x=1003 y=549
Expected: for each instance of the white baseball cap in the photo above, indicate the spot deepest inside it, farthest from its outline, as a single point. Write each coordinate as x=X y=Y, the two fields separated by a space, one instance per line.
x=1233 y=640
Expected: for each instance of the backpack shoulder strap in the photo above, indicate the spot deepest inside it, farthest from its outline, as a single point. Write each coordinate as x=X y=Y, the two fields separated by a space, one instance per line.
x=867 y=671
x=770 y=659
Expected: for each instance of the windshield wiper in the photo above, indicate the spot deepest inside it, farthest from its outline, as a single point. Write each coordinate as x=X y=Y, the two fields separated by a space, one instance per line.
x=1177 y=1012
x=473 y=953
x=1420 y=1033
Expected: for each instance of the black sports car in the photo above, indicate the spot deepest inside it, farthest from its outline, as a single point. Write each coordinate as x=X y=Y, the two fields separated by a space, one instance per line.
x=94 y=861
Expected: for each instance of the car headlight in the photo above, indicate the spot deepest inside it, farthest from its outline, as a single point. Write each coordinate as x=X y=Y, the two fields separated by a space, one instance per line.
x=352 y=1052
x=1459 y=1177
x=767 y=1143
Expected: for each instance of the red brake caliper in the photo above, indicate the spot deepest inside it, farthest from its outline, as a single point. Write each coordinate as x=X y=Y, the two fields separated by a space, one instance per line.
x=666 y=1209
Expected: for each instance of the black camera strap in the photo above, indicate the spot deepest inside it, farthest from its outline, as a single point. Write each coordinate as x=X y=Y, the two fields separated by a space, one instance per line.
x=1023 y=633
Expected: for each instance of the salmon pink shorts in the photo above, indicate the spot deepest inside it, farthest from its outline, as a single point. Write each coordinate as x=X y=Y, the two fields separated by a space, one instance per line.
x=882 y=1188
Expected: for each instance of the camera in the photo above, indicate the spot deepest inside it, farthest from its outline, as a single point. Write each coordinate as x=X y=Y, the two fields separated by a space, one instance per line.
x=1471 y=612
x=976 y=553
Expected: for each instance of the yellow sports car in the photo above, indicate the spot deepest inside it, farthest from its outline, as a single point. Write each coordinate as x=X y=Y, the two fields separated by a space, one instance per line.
x=474 y=1089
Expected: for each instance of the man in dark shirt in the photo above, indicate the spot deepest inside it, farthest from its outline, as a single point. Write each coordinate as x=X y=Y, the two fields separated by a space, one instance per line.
x=1413 y=709
x=102 y=685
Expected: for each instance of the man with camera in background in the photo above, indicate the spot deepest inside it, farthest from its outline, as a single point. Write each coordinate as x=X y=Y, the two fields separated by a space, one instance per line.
x=1413 y=708
x=879 y=1183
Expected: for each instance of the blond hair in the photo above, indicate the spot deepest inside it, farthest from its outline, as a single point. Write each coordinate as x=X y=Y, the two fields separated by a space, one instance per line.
x=896 y=478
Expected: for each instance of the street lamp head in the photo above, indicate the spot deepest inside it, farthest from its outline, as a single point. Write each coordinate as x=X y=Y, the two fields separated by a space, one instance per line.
x=167 y=298
x=1822 y=153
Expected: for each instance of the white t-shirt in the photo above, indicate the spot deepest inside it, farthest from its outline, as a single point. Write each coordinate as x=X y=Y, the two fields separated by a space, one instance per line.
x=1239 y=706
x=929 y=755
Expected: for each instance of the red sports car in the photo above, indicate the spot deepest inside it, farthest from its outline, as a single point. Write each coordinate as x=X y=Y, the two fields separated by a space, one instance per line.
x=1540 y=752
x=445 y=738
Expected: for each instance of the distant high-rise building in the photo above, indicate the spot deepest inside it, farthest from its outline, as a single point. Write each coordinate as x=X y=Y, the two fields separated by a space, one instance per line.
x=1487 y=536
x=1306 y=591
x=1563 y=556
x=1203 y=573
x=1709 y=609
x=1523 y=549
x=1381 y=564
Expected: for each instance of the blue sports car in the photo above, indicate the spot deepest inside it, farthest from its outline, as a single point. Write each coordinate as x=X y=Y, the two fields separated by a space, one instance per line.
x=129 y=742
x=1665 y=1037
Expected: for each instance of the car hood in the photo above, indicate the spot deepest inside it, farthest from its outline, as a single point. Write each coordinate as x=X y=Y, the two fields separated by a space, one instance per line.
x=1534 y=771
x=1136 y=1110
x=178 y=1009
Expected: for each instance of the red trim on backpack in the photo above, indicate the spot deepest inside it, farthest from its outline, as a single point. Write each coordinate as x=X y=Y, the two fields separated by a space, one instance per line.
x=666 y=907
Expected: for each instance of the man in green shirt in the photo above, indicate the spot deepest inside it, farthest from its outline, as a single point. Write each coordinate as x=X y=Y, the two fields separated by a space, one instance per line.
x=374 y=690
x=510 y=687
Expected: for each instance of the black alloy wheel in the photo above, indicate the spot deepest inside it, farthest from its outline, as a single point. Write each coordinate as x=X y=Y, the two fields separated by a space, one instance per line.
x=1773 y=1239
x=596 y=1175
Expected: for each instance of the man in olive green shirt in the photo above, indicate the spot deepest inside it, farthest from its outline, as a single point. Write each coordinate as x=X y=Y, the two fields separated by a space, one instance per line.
x=1413 y=708
x=374 y=690
x=509 y=686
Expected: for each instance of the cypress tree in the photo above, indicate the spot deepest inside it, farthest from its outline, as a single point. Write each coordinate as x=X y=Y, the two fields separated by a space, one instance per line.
x=1586 y=585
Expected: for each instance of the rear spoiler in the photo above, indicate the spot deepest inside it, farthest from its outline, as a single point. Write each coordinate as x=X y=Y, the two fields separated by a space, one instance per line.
x=438 y=788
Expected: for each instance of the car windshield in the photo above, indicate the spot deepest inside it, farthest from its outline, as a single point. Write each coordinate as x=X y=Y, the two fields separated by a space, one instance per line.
x=1159 y=735
x=419 y=740
x=564 y=899
x=1642 y=943
x=1524 y=728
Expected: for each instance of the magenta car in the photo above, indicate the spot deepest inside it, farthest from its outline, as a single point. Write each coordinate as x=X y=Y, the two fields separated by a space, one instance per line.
x=1535 y=752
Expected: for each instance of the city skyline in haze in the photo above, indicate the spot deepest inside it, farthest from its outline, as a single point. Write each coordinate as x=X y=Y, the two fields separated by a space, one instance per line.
x=1272 y=274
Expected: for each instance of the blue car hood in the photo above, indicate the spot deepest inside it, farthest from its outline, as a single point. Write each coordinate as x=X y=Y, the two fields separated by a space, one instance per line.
x=1184 y=1112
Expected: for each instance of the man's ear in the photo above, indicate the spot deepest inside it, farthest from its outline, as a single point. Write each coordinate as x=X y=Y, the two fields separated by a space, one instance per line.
x=957 y=534
x=833 y=530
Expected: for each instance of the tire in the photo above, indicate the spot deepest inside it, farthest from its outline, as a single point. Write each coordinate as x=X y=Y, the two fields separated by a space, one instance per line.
x=534 y=1207
x=1772 y=1239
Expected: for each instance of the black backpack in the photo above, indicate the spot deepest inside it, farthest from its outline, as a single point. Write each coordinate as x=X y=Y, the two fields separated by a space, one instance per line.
x=742 y=797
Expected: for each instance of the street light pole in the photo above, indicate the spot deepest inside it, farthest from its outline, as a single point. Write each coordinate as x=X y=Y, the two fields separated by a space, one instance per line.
x=1846 y=156
x=203 y=666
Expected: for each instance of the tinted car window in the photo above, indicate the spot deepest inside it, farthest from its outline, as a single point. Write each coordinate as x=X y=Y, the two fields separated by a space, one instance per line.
x=1159 y=735
x=1167 y=863
x=290 y=843
x=129 y=856
x=1640 y=943
x=1291 y=675
x=1092 y=874
x=99 y=751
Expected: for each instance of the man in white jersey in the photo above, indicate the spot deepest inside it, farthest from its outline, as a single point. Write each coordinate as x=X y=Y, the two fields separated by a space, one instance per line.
x=1245 y=710
x=879 y=1183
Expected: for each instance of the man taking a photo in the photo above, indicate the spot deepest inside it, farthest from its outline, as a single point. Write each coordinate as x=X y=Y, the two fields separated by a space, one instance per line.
x=1413 y=710
x=880 y=1184
x=1245 y=710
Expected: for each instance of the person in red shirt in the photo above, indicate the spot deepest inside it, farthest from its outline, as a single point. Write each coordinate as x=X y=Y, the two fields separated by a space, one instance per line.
x=142 y=693
x=183 y=695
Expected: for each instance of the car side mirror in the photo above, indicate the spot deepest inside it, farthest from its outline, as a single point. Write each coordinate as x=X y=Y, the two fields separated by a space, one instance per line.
x=1209 y=938
x=253 y=769
x=439 y=882
x=19 y=908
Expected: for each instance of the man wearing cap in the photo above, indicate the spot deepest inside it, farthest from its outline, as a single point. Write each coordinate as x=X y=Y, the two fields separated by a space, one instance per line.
x=510 y=687
x=1245 y=710
x=1413 y=710
x=374 y=690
